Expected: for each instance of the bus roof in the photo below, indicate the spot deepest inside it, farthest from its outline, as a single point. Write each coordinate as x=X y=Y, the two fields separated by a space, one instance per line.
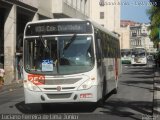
x=56 y=20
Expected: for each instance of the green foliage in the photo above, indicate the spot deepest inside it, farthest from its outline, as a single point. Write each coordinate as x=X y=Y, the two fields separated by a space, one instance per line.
x=154 y=13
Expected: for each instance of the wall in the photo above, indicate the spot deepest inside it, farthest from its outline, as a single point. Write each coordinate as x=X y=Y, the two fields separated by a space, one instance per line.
x=45 y=8
x=70 y=8
x=111 y=19
x=125 y=37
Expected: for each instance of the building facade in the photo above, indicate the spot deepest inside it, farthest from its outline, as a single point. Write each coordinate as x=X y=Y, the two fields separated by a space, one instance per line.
x=125 y=25
x=134 y=34
x=106 y=13
x=71 y=8
x=14 y=14
x=139 y=37
x=125 y=37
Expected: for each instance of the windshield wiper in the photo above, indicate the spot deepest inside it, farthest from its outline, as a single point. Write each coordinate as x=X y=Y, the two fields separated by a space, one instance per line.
x=45 y=46
x=70 y=42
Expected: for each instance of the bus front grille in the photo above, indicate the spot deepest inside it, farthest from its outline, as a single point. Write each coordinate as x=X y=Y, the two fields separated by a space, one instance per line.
x=63 y=88
x=59 y=96
x=61 y=81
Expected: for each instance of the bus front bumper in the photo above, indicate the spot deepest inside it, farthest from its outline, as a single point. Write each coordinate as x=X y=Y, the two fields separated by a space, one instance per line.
x=89 y=95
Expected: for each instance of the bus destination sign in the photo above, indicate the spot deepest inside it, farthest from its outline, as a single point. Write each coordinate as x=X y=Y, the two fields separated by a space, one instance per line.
x=58 y=28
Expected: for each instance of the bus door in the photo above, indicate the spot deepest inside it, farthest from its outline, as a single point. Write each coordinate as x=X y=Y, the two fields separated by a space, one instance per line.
x=100 y=63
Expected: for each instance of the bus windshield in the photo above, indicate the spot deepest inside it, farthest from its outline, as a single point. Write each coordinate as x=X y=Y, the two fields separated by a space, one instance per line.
x=139 y=52
x=58 y=55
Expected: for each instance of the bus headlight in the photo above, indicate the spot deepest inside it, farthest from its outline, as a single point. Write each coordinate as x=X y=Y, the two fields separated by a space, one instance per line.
x=32 y=87
x=86 y=85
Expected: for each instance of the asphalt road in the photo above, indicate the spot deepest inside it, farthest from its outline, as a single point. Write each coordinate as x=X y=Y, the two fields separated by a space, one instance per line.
x=134 y=101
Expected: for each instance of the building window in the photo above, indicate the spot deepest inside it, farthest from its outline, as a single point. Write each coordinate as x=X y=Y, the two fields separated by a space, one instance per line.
x=101 y=2
x=101 y=15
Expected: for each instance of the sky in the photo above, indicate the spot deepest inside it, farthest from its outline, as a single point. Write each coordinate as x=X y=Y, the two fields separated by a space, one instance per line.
x=135 y=10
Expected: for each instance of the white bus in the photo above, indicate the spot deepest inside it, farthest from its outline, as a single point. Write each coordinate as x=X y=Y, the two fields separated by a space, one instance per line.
x=126 y=56
x=69 y=60
x=139 y=56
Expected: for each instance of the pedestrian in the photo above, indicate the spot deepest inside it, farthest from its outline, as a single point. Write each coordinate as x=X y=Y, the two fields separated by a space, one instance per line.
x=21 y=67
x=1 y=77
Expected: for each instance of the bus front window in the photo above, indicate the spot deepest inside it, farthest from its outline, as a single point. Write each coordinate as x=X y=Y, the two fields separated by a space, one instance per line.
x=139 y=53
x=58 y=55
x=40 y=55
x=76 y=54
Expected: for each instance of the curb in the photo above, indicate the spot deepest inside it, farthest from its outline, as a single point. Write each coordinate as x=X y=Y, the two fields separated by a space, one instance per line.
x=156 y=94
x=11 y=87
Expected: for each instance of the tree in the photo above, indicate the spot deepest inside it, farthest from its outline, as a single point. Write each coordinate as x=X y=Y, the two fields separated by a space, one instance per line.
x=154 y=13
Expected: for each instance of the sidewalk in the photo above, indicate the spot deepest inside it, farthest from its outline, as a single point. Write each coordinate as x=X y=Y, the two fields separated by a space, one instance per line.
x=13 y=86
x=156 y=94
